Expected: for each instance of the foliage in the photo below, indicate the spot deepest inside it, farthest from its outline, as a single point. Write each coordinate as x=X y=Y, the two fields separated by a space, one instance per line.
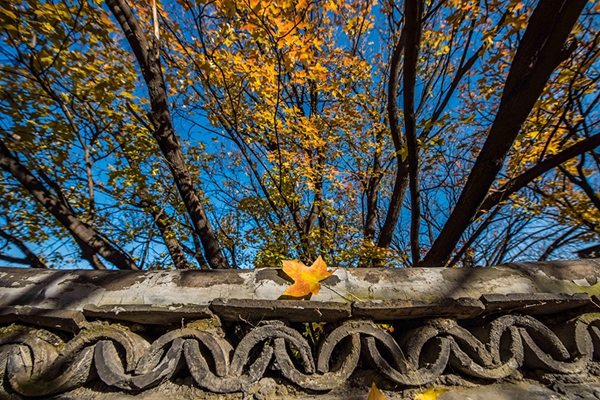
x=250 y=132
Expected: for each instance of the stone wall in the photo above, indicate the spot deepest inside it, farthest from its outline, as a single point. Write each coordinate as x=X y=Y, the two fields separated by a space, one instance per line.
x=519 y=328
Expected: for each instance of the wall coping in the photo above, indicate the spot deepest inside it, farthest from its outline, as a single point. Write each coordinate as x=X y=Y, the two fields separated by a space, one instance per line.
x=75 y=289
x=232 y=331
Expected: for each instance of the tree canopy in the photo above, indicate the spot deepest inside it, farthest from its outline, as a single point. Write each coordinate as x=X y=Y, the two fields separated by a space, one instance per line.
x=228 y=134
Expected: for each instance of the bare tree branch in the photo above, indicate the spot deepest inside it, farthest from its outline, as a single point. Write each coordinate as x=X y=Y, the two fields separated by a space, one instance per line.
x=164 y=133
x=30 y=259
x=540 y=51
x=81 y=231
x=401 y=180
x=413 y=12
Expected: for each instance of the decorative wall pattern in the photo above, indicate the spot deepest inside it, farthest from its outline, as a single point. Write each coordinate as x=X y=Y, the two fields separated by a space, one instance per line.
x=37 y=362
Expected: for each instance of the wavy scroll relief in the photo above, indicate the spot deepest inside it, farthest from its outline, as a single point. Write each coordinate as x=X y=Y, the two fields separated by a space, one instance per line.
x=34 y=362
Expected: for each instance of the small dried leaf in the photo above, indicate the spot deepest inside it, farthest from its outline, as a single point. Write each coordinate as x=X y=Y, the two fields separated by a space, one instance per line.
x=375 y=394
x=430 y=394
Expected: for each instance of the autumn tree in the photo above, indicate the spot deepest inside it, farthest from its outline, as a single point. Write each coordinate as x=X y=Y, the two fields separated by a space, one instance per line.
x=234 y=133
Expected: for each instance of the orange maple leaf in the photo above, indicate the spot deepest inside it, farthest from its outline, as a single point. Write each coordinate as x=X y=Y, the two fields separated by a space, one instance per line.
x=306 y=279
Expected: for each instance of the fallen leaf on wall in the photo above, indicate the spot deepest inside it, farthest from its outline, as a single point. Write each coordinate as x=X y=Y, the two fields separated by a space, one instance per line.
x=306 y=279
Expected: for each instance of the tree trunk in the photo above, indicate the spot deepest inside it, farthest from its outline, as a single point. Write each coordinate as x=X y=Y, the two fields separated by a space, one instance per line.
x=401 y=181
x=30 y=258
x=85 y=235
x=413 y=11
x=541 y=50
x=148 y=204
x=164 y=133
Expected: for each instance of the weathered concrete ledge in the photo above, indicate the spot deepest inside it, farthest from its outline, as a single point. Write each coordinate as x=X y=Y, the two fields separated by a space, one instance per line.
x=76 y=289
x=230 y=334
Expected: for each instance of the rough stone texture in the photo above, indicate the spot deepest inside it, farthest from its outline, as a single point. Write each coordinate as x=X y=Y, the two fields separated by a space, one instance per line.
x=579 y=276
x=290 y=310
x=529 y=328
x=36 y=363
x=266 y=391
x=64 y=320
x=522 y=391
x=75 y=289
x=148 y=314
x=462 y=308
x=534 y=304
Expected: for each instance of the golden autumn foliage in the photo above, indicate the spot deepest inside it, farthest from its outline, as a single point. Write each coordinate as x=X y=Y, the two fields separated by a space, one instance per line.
x=298 y=128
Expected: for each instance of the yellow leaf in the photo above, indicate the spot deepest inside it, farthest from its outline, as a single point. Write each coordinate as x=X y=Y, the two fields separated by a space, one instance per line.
x=229 y=7
x=375 y=394
x=386 y=327
x=8 y=13
x=430 y=394
x=306 y=279
x=331 y=6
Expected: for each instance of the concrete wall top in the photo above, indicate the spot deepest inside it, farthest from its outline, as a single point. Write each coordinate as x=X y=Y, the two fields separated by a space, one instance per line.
x=74 y=289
